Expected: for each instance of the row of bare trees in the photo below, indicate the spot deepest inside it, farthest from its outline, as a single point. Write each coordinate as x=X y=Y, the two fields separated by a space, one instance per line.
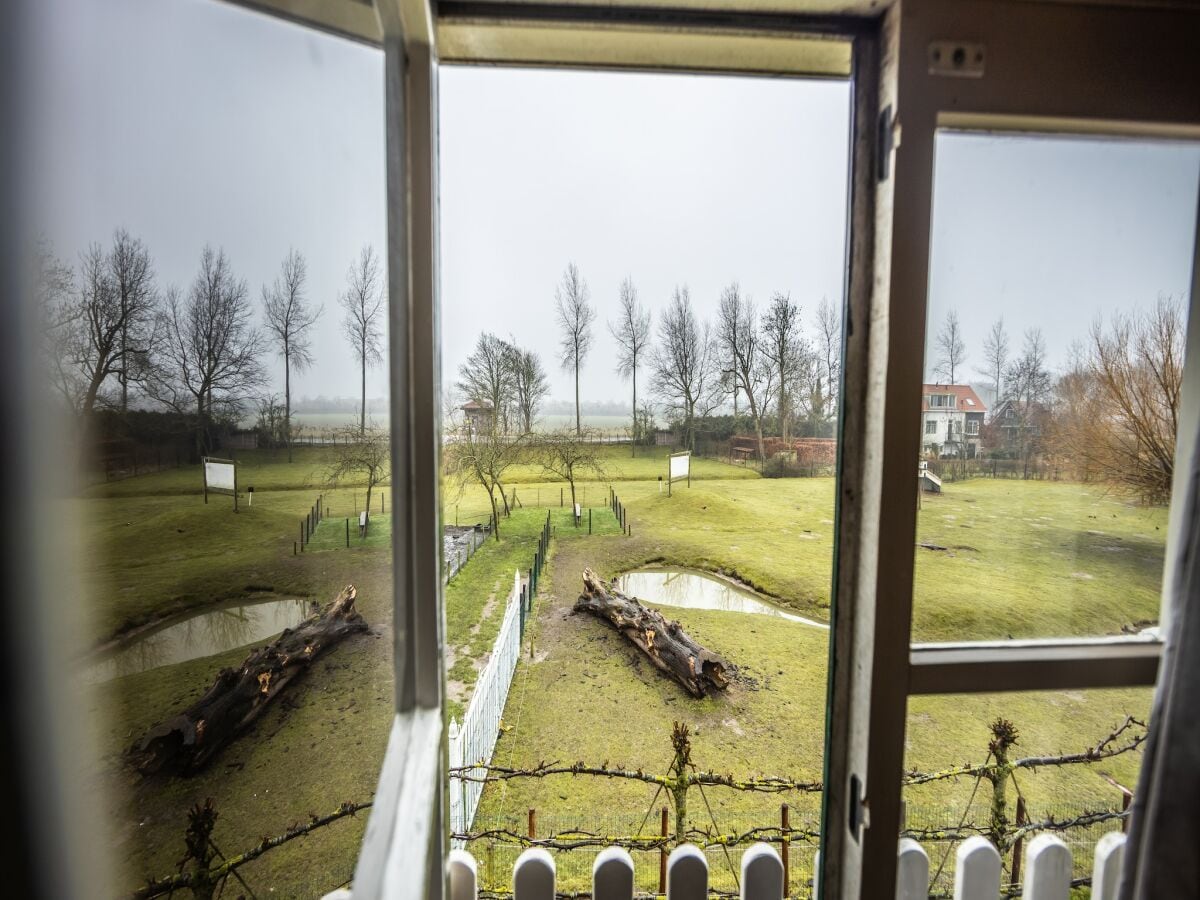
x=113 y=335
x=767 y=362
x=1111 y=414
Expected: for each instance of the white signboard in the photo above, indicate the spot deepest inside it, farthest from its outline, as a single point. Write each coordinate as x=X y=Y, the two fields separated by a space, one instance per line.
x=680 y=466
x=220 y=475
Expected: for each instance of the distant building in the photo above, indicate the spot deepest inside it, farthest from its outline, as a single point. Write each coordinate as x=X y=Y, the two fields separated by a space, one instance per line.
x=951 y=418
x=477 y=416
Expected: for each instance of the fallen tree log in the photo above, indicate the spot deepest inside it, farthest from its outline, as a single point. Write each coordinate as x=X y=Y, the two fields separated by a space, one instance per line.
x=667 y=645
x=185 y=743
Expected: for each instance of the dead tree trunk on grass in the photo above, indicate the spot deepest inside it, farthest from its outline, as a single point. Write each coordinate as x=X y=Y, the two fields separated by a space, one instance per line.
x=186 y=743
x=667 y=645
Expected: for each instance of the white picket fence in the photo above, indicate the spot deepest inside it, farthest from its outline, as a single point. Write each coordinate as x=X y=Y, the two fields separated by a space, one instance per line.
x=977 y=873
x=474 y=740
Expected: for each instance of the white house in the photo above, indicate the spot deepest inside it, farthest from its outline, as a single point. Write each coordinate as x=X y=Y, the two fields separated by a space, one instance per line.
x=951 y=417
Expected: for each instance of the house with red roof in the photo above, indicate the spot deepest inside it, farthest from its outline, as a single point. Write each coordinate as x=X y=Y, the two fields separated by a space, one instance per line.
x=951 y=418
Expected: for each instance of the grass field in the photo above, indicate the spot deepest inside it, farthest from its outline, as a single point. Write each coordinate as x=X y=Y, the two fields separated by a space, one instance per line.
x=1021 y=559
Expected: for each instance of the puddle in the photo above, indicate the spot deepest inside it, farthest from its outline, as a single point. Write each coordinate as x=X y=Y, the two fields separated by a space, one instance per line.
x=203 y=634
x=695 y=590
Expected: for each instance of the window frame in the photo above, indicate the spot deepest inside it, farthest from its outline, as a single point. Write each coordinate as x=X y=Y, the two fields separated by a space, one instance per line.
x=1047 y=72
x=873 y=665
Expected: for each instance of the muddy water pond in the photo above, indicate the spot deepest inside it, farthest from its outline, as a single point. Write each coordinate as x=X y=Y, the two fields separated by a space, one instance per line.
x=214 y=630
x=690 y=589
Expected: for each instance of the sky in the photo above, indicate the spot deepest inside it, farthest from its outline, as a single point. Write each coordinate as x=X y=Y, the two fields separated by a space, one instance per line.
x=195 y=122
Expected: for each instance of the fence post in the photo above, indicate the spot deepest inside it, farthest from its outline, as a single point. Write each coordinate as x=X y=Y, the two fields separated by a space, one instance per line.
x=1018 y=843
x=1106 y=873
x=662 y=855
x=456 y=784
x=786 y=826
x=302 y=537
x=560 y=496
x=977 y=869
x=464 y=877
x=687 y=874
x=532 y=823
x=347 y=532
x=522 y=602
x=1126 y=798
x=589 y=520
x=762 y=873
x=1049 y=875
x=533 y=875
x=612 y=874
x=912 y=871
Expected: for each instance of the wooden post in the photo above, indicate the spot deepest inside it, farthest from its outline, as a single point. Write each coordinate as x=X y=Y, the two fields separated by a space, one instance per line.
x=1126 y=799
x=532 y=824
x=662 y=856
x=347 y=532
x=302 y=537
x=589 y=521
x=293 y=548
x=560 y=496
x=785 y=824
x=1019 y=842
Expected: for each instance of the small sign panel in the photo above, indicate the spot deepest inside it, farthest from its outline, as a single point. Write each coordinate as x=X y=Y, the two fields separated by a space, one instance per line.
x=220 y=476
x=680 y=466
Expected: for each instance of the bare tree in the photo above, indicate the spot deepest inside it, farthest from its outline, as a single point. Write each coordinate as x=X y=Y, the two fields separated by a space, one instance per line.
x=362 y=322
x=483 y=456
x=685 y=366
x=569 y=455
x=575 y=316
x=952 y=349
x=828 y=354
x=632 y=334
x=785 y=350
x=362 y=455
x=530 y=386
x=1121 y=401
x=210 y=355
x=995 y=354
x=133 y=280
x=103 y=330
x=60 y=329
x=742 y=356
x=1028 y=390
x=289 y=320
x=487 y=376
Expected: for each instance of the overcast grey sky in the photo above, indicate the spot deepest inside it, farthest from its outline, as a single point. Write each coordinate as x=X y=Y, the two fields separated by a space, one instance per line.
x=1052 y=233
x=193 y=121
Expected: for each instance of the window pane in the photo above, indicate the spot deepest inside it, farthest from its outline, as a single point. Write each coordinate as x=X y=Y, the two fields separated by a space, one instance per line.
x=1057 y=311
x=716 y=207
x=958 y=747
x=210 y=179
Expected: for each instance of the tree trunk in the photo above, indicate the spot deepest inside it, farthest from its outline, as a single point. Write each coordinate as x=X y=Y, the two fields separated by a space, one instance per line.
x=287 y=397
x=633 y=448
x=578 y=427
x=362 y=410
x=238 y=697
x=667 y=645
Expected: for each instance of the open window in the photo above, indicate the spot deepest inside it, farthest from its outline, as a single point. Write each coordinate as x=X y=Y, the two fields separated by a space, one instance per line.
x=1011 y=580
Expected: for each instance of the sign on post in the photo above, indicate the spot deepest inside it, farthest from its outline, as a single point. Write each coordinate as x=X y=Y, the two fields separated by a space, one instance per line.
x=220 y=477
x=680 y=467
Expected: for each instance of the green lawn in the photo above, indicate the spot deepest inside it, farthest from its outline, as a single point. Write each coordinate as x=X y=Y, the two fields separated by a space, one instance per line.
x=1021 y=559
x=586 y=695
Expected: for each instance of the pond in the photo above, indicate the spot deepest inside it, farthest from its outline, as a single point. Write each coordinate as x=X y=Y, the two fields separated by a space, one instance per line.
x=203 y=634
x=697 y=590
